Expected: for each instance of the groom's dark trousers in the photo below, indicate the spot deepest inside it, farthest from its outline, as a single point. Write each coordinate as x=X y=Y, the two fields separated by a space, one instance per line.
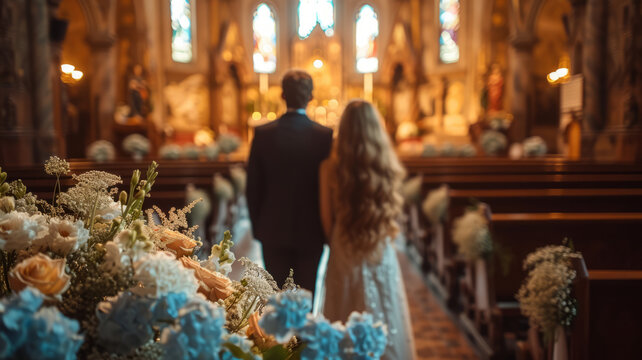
x=283 y=195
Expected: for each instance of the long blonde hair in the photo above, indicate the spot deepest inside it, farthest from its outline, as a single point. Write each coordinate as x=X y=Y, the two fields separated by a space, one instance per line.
x=368 y=177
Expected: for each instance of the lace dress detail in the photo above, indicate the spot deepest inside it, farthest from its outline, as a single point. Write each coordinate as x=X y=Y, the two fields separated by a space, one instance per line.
x=358 y=284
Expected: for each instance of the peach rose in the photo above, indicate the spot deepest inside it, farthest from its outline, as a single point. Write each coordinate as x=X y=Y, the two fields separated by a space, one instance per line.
x=42 y=273
x=180 y=244
x=211 y=284
x=253 y=326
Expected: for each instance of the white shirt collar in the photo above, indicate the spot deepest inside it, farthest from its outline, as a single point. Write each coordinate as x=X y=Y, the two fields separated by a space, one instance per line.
x=299 y=111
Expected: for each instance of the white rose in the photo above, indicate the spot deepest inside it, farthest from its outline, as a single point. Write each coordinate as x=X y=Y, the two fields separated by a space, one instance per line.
x=18 y=230
x=111 y=212
x=120 y=253
x=64 y=236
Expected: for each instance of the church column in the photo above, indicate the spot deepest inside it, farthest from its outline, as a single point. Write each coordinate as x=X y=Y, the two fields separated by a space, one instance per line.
x=103 y=81
x=593 y=70
x=41 y=80
x=520 y=57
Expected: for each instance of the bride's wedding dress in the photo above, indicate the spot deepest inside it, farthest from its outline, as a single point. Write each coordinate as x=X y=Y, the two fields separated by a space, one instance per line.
x=352 y=284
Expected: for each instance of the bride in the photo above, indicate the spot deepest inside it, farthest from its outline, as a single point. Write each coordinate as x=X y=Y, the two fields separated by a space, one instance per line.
x=360 y=204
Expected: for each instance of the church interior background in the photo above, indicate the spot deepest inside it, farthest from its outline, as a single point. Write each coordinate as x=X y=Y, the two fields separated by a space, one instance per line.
x=441 y=72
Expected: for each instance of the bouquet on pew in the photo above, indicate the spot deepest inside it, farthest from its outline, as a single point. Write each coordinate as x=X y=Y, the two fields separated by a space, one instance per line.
x=545 y=296
x=471 y=233
x=92 y=275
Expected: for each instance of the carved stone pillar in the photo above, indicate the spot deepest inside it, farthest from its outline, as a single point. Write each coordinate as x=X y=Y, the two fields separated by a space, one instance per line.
x=593 y=70
x=103 y=86
x=520 y=84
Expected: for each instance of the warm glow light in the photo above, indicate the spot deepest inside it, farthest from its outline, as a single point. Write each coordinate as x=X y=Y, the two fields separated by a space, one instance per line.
x=67 y=68
x=561 y=72
x=318 y=63
x=204 y=137
x=271 y=116
x=256 y=116
x=76 y=74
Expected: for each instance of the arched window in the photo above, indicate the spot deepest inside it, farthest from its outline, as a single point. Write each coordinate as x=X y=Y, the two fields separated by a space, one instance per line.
x=181 y=17
x=449 y=21
x=366 y=40
x=264 y=27
x=313 y=12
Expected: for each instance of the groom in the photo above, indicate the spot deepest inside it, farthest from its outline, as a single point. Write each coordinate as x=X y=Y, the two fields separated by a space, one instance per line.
x=283 y=186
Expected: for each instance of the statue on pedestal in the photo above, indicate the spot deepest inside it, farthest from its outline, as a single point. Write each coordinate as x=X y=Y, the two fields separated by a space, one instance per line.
x=138 y=94
x=495 y=89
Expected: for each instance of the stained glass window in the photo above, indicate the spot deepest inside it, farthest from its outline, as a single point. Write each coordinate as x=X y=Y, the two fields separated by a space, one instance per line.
x=181 y=16
x=313 y=12
x=449 y=20
x=366 y=37
x=264 y=27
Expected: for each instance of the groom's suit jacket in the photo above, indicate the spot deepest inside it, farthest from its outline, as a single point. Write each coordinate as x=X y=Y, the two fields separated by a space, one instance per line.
x=283 y=185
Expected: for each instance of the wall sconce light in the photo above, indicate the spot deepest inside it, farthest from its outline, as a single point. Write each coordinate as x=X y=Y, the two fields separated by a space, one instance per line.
x=70 y=75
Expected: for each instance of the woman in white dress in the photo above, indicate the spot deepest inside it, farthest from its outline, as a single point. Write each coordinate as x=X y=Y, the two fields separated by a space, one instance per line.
x=360 y=205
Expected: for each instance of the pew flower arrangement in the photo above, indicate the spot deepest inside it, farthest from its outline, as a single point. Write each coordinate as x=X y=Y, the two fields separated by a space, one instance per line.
x=137 y=146
x=170 y=152
x=545 y=296
x=493 y=142
x=411 y=189
x=471 y=234
x=534 y=146
x=101 y=151
x=88 y=276
x=228 y=143
x=436 y=204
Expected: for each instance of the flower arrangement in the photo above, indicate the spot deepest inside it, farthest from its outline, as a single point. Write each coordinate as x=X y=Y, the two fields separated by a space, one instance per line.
x=136 y=145
x=239 y=179
x=545 y=296
x=203 y=207
x=223 y=189
x=101 y=151
x=534 y=146
x=75 y=283
x=436 y=204
x=411 y=189
x=170 y=152
x=448 y=150
x=467 y=150
x=429 y=150
x=471 y=234
x=211 y=152
x=191 y=152
x=493 y=142
x=228 y=143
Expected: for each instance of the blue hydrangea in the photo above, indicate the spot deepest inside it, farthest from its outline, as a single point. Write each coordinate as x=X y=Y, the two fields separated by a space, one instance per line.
x=51 y=335
x=198 y=334
x=29 y=333
x=366 y=340
x=242 y=343
x=285 y=313
x=321 y=340
x=126 y=321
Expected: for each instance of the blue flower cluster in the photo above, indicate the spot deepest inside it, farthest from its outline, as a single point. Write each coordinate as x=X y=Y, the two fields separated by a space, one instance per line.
x=366 y=340
x=198 y=334
x=30 y=332
x=242 y=343
x=322 y=340
x=126 y=321
x=285 y=313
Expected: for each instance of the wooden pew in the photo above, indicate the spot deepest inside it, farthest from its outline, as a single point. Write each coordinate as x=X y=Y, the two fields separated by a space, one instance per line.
x=608 y=323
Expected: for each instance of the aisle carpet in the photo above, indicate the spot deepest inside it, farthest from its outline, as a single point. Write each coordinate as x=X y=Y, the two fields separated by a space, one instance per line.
x=436 y=335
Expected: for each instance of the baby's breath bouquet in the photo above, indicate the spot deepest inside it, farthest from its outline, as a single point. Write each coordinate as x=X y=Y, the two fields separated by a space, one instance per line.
x=137 y=146
x=436 y=203
x=228 y=143
x=471 y=234
x=92 y=275
x=545 y=296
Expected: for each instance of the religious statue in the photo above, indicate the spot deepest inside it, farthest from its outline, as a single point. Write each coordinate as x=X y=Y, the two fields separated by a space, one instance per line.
x=495 y=89
x=138 y=94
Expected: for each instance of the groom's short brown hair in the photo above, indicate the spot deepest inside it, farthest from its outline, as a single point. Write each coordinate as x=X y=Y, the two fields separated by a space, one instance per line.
x=297 y=88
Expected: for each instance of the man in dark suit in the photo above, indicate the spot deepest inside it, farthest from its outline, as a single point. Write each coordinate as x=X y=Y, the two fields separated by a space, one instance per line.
x=283 y=186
